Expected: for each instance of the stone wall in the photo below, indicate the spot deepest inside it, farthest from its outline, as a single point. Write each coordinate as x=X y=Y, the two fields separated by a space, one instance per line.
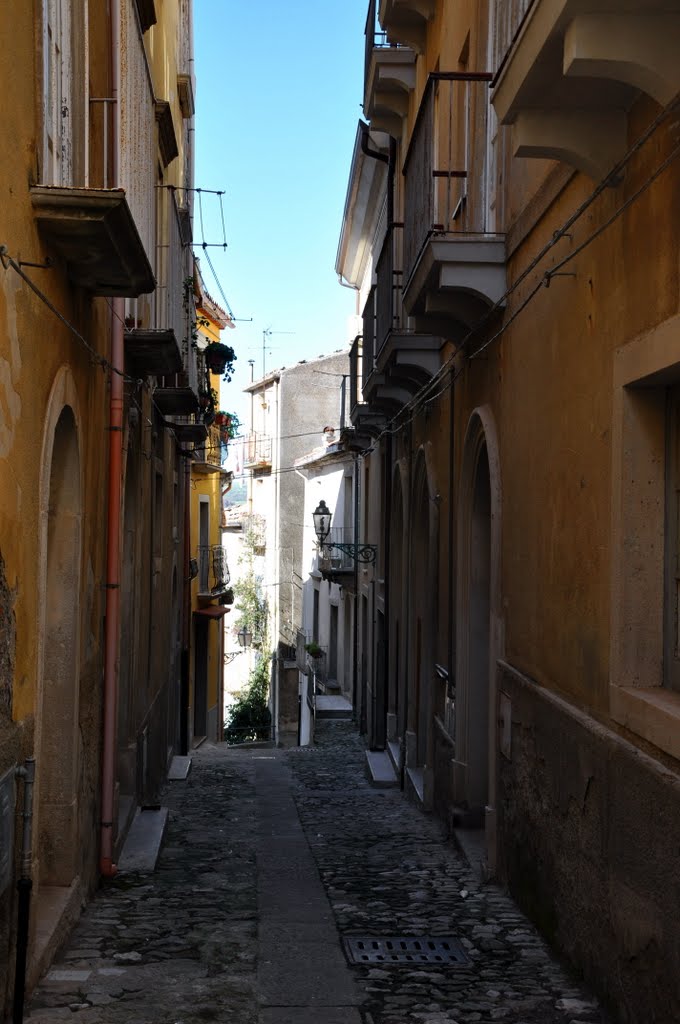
x=589 y=841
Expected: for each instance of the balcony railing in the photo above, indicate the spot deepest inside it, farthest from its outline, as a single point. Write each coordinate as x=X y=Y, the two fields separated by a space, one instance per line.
x=257 y=451
x=355 y=376
x=368 y=349
x=376 y=38
x=389 y=75
x=333 y=559
x=444 y=172
x=388 y=312
x=213 y=571
x=137 y=129
x=208 y=455
x=163 y=349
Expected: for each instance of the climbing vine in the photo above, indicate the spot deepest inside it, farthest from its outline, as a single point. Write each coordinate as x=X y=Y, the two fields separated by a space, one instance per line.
x=249 y=715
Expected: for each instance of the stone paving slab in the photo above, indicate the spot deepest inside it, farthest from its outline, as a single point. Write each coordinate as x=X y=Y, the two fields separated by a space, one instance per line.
x=267 y=863
x=143 y=843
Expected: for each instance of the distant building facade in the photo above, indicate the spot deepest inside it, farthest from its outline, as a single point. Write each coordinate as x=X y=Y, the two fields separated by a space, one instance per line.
x=290 y=408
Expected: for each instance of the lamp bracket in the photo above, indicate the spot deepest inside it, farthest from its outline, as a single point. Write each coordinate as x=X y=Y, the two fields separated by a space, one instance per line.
x=357 y=552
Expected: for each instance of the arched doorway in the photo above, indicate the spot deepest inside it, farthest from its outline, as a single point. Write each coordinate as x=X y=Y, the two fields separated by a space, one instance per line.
x=58 y=758
x=421 y=589
x=478 y=607
x=396 y=696
x=478 y=604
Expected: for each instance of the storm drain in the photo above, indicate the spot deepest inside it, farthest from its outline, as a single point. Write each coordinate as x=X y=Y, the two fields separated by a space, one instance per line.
x=398 y=949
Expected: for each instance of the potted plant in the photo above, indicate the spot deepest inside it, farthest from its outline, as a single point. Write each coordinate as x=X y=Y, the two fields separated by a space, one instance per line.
x=313 y=649
x=229 y=424
x=219 y=358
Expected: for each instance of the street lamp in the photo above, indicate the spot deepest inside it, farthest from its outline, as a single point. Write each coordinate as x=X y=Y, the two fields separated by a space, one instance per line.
x=322 y=521
x=322 y=527
x=244 y=637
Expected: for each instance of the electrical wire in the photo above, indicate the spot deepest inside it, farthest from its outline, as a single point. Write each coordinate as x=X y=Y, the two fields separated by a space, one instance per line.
x=98 y=360
x=219 y=285
x=425 y=395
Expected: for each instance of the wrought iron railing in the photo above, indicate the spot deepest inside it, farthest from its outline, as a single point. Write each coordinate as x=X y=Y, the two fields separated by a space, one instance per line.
x=171 y=302
x=388 y=312
x=368 y=350
x=332 y=558
x=213 y=570
x=445 y=166
x=257 y=451
x=137 y=124
x=210 y=451
x=375 y=39
x=355 y=374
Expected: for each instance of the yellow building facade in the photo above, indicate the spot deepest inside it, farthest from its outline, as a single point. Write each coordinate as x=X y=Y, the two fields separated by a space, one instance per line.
x=211 y=593
x=510 y=228
x=98 y=389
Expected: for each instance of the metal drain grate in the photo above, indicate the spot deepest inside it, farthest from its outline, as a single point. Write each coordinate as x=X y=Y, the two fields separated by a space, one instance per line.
x=398 y=949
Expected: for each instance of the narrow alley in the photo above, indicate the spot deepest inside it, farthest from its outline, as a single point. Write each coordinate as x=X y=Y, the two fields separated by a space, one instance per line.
x=271 y=860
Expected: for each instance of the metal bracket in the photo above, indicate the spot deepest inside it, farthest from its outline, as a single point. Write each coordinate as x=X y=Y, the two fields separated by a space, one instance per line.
x=364 y=553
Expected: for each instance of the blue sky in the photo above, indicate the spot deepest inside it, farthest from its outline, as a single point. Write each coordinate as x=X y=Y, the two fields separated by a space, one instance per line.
x=278 y=97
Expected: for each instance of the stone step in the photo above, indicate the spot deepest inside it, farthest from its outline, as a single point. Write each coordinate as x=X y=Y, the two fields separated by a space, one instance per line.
x=332 y=707
x=380 y=770
x=143 y=842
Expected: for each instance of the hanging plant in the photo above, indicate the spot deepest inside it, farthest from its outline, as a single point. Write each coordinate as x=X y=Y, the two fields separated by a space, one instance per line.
x=313 y=649
x=229 y=424
x=220 y=358
x=207 y=399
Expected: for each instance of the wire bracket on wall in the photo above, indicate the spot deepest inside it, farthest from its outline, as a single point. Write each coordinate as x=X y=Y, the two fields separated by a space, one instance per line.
x=45 y=265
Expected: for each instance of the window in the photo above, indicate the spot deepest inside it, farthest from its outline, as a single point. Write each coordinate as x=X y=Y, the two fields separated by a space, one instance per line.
x=315 y=617
x=57 y=92
x=671 y=674
x=644 y=692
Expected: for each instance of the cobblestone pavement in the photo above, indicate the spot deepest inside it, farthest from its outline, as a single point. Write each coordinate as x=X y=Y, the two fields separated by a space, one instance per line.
x=181 y=946
x=388 y=870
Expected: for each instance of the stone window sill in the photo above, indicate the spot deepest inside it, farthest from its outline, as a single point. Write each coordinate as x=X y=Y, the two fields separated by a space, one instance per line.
x=651 y=712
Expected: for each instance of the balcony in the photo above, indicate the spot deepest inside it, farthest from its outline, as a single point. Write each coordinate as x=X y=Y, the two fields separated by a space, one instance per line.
x=208 y=454
x=569 y=77
x=454 y=269
x=213 y=571
x=93 y=230
x=402 y=361
x=367 y=423
x=257 y=452
x=232 y=518
x=104 y=233
x=389 y=76
x=336 y=565
x=405 y=21
x=161 y=349
x=188 y=429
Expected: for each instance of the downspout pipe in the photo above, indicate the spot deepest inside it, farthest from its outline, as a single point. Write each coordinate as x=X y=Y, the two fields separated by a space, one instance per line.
x=386 y=158
x=112 y=622
x=186 y=613
x=24 y=887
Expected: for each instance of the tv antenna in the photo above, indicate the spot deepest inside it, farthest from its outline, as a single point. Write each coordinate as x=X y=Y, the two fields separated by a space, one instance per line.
x=267 y=332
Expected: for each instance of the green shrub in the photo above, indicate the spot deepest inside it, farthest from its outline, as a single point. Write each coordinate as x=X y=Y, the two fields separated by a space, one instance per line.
x=249 y=716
